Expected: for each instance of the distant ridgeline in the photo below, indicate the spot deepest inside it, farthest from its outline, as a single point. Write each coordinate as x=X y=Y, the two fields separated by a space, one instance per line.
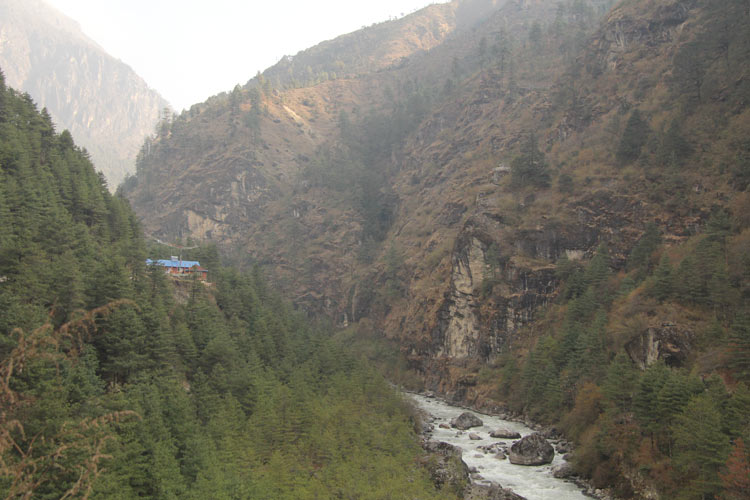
x=111 y=388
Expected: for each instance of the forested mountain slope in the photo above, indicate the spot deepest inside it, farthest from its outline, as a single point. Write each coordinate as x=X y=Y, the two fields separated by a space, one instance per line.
x=546 y=212
x=106 y=106
x=118 y=382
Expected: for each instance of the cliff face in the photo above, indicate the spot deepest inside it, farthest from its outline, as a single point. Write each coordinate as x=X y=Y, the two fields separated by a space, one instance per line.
x=463 y=256
x=105 y=105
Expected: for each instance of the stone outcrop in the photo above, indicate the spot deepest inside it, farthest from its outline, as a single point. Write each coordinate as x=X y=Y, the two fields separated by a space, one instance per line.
x=531 y=450
x=466 y=420
x=446 y=467
x=668 y=342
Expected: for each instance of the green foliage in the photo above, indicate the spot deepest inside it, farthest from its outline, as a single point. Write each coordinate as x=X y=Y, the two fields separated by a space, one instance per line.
x=739 y=346
x=634 y=137
x=662 y=286
x=700 y=448
x=640 y=256
x=530 y=168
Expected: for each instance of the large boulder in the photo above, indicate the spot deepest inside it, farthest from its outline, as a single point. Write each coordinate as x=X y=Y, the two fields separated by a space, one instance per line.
x=466 y=420
x=563 y=471
x=489 y=492
x=505 y=434
x=531 y=450
x=448 y=470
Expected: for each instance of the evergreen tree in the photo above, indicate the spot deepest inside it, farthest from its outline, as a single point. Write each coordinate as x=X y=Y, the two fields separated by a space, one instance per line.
x=739 y=346
x=700 y=447
x=662 y=285
x=634 y=137
x=530 y=167
x=620 y=382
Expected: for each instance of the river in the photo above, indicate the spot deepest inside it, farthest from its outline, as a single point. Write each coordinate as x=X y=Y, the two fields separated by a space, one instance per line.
x=534 y=483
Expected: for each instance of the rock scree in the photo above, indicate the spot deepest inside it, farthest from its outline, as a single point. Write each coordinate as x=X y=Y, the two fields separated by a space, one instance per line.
x=531 y=450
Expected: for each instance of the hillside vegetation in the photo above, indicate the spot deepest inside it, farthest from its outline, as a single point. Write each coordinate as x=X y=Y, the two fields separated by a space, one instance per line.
x=546 y=212
x=118 y=382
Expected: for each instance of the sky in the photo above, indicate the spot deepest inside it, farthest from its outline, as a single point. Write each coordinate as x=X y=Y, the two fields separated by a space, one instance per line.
x=189 y=50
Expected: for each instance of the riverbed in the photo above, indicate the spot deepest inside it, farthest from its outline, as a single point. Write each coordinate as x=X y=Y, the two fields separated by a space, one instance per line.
x=534 y=483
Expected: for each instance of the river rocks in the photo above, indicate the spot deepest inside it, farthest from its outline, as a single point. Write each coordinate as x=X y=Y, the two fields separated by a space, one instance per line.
x=563 y=447
x=445 y=465
x=444 y=426
x=500 y=455
x=466 y=420
x=474 y=436
x=505 y=434
x=493 y=492
x=531 y=450
x=563 y=471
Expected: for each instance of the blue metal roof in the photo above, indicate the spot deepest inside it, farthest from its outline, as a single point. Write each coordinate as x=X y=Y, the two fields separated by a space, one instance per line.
x=184 y=264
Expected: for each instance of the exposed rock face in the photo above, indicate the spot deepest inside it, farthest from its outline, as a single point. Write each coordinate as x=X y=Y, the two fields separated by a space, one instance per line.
x=668 y=342
x=466 y=420
x=106 y=106
x=459 y=329
x=531 y=450
x=505 y=434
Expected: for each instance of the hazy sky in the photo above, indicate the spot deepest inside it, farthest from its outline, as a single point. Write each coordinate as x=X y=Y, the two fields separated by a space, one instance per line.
x=189 y=50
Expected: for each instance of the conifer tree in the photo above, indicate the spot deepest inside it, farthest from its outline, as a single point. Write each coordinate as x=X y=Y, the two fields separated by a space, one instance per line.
x=530 y=167
x=739 y=346
x=633 y=139
x=620 y=382
x=663 y=282
x=700 y=448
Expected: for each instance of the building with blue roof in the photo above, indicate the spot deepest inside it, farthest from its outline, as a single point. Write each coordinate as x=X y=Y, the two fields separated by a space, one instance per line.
x=175 y=266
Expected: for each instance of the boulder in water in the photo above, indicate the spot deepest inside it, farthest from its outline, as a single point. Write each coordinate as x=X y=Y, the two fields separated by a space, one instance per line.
x=466 y=420
x=563 y=471
x=474 y=436
x=531 y=450
x=505 y=434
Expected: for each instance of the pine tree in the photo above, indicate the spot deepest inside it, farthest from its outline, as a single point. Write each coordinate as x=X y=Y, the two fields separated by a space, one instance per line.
x=530 y=167
x=663 y=283
x=641 y=255
x=700 y=448
x=739 y=346
x=633 y=139
x=620 y=382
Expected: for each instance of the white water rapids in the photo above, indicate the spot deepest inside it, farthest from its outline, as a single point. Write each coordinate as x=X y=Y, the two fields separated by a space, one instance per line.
x=534 y=483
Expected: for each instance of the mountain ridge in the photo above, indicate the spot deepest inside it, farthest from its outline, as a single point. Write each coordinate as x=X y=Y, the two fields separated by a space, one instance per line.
x=46 y=54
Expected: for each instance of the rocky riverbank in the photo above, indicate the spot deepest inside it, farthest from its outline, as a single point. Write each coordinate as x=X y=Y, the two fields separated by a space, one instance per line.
x=483 y=471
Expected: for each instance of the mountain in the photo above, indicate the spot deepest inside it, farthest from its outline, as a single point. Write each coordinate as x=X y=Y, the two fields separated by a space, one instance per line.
x=107 y=107
x=542 y=207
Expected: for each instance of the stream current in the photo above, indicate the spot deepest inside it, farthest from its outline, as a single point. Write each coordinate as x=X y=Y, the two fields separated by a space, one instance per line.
x=534 y=483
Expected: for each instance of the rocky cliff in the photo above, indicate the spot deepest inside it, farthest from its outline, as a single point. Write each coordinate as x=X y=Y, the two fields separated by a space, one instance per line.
x=106 y=106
